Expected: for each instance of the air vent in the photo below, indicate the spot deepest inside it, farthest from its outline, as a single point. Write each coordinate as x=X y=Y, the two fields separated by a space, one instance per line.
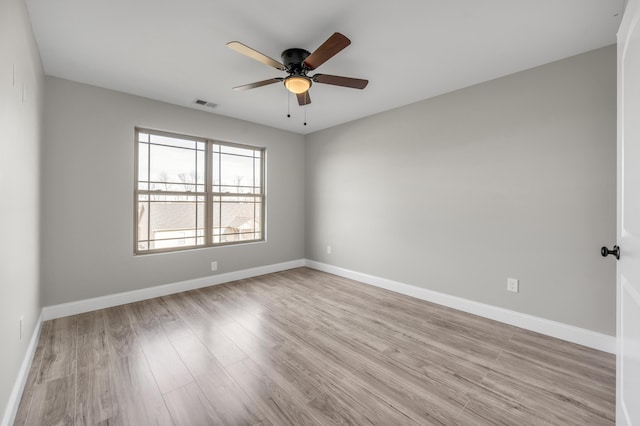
x=202 y=102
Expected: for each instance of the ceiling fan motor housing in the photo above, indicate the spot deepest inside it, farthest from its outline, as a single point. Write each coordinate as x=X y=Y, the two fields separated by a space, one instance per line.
x=292 y=60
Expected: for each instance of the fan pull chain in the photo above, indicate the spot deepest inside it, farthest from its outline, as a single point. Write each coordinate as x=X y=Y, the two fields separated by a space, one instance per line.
x=306 y=95
x=288 y=104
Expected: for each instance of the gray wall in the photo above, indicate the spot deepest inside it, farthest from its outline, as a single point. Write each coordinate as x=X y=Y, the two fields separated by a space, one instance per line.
x=88 y=193
x=20 y=136
x=515 y=177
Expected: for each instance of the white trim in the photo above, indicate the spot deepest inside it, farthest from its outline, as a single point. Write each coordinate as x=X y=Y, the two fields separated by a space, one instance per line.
x=108 y=301
x=559 y=330
x=13 y=403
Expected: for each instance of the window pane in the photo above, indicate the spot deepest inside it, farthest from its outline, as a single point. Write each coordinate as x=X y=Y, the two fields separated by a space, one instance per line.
x=200 y=167
x=234 y=173
x=177 y=142
x=173 y=169
x=236 y=219
x=257 y=176
x=143 y=162
x=237 y=173
x=143 y=224
x=170 y=221
x=215 y=171
x=237 y=151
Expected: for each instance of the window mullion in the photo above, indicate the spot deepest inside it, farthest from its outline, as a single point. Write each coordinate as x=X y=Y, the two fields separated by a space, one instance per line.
x=149 y=198
x=208 y=166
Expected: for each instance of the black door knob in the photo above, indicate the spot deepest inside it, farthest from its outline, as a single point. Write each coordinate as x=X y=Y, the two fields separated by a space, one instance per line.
x=606 y=252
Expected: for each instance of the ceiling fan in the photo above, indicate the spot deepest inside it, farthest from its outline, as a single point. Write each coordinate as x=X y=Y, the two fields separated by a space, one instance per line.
x=297 y=63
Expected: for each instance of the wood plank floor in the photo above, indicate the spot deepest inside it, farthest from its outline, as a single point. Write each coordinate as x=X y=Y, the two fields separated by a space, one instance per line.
x=302 y=347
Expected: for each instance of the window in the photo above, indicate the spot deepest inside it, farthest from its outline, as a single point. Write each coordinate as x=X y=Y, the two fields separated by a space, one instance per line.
x=192 y=192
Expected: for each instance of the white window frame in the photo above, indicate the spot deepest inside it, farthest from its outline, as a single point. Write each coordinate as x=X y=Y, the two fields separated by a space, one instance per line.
x=210 y=192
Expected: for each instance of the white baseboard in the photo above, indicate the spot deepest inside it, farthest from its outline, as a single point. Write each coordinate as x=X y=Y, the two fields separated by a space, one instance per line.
x=108 y=301
x=559 y=330
x=11 y=408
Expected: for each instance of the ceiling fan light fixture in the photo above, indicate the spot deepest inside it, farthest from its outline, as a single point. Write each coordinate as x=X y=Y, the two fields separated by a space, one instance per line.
x=297 y=84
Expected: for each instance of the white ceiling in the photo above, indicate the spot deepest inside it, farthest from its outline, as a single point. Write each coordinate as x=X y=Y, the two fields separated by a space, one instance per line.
x=175 y=50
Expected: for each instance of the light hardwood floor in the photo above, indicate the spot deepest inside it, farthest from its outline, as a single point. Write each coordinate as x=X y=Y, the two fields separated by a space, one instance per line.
x=304 y=347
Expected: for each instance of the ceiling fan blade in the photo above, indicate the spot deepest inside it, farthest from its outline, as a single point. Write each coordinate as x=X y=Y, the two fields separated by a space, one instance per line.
x=303 y=98
x=258 y=84
x=336 y=80
x=254 y=54
x=327 y=50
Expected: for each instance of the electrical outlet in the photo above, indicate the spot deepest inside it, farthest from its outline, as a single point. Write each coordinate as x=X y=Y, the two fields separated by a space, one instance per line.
x=512 y=285
x=21 y=320
x=328 y=249
x=214 y=266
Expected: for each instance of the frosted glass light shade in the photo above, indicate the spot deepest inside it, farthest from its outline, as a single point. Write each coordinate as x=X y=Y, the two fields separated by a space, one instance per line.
x=297 y=84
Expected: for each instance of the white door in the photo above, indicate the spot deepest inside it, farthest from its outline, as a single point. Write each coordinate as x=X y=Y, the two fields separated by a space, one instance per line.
x=628 y=270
